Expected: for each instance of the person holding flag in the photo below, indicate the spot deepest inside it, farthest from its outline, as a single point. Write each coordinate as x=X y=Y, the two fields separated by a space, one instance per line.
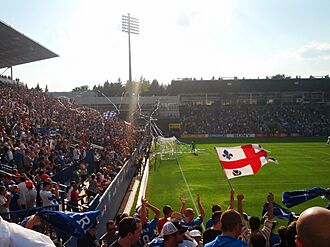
x=255 y=222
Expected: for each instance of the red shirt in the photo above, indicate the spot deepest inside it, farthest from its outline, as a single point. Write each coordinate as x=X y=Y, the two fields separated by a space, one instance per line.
x=161 y=223
x=74 y=196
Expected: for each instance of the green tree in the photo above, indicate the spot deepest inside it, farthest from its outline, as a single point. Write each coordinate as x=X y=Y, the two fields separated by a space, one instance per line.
x=38 y=88
x=81 y=88
x=154 y=88
x=143 y=86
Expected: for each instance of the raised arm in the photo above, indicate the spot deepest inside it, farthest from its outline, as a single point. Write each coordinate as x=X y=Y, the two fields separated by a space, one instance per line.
x=270 y=199
x=154 y=209
x=183 y=204
x=142 y=213
x=240 y=198
x=232 y=199
x=200 y=207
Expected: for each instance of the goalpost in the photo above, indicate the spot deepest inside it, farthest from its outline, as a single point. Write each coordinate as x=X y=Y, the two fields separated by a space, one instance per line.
x=167 y=147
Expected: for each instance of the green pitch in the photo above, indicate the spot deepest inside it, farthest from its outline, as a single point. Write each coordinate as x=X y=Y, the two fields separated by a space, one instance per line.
x=303 y=164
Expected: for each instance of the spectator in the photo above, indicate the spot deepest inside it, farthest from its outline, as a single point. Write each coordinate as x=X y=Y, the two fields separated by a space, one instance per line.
x=46 y=195
x=255 y=222
x=22 y=191
x=197 y=236
x=148 y=227
x=167 y=211
x=188 y=214
x=34 y=222
x=171 y=235
x=281 y=233
x=231 y=229
x=291 y=234
x=75 y=197
x=211 y=233
x=129 y=230
x=313 y=228
x=215 y=208
x=31 y=195
x=111 y=235
x=257 y=240
x=5 y=197
x=90 y=239
x=76 y=176
x=76 y=153
x=12 y=234
x=83 y=173
x=274 y=238
x=92 y=187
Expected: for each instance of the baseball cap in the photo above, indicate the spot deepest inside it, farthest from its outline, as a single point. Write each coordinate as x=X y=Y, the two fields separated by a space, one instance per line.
x=29 y=183
x=172 y=227
x=195 y=233
x=44 y=176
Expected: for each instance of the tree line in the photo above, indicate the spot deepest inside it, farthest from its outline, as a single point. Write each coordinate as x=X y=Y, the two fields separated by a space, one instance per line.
x=142 y=87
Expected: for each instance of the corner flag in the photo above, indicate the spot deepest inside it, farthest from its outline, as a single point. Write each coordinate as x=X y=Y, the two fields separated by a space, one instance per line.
x=243 y=160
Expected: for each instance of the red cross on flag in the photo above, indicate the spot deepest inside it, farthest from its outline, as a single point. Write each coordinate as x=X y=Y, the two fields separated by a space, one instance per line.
x=243 y=161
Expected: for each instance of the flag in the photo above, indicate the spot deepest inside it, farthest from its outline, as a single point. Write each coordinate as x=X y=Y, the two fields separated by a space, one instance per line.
x=242 y=161
x=296 y=197
x=71 y=223
x=109 y=114
x=279 y=212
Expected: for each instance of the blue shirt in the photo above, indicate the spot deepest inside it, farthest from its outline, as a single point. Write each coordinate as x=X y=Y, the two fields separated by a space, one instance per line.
x=226 y=241
x=148 y=231
x=196 y=222
x=157 y=242
x=209 y=223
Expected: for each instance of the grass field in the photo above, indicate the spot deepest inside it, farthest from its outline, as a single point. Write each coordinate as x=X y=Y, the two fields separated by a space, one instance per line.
x=303 y=163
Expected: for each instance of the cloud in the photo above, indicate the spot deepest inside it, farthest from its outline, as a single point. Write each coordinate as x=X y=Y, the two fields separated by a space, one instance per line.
x=312 y=50
x=183 y=20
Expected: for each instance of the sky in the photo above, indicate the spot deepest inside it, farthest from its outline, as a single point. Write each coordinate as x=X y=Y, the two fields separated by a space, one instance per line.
x=178 y=39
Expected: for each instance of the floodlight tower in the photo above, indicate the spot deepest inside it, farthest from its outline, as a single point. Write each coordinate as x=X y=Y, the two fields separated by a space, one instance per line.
x=130 y=25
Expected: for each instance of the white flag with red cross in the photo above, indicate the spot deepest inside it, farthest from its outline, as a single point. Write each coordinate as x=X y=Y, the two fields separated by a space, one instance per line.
x=243 y=160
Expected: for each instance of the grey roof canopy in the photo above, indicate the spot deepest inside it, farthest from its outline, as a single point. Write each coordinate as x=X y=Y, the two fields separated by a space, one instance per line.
x=16 y=48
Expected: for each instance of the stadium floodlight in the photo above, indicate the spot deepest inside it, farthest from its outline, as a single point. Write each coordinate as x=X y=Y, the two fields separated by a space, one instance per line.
x=130 y=25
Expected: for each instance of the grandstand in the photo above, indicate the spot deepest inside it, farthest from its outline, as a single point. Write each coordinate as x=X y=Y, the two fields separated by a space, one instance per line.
x=253 y=91
x=47 y=143
x=60 y=153
x=264 y=106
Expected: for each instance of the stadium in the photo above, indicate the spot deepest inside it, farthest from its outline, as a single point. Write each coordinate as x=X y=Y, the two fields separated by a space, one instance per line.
x=75 y=165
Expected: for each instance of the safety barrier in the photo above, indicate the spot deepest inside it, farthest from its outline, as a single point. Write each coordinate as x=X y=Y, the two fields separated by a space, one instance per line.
x=112 y=198
x=20 y=214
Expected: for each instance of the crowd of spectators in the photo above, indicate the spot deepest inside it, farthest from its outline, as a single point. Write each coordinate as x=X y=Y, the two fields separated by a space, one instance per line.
x=306 y=120
x=228 y=227
x=41 y=135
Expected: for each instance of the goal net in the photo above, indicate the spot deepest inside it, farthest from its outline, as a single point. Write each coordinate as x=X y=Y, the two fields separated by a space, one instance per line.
x=169 y=147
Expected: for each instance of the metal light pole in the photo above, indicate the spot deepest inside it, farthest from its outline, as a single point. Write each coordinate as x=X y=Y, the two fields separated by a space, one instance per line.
x=130 y=25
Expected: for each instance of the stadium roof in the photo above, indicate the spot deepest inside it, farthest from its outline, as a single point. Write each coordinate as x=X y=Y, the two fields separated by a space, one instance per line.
x=250 y=85
x=16 y=48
